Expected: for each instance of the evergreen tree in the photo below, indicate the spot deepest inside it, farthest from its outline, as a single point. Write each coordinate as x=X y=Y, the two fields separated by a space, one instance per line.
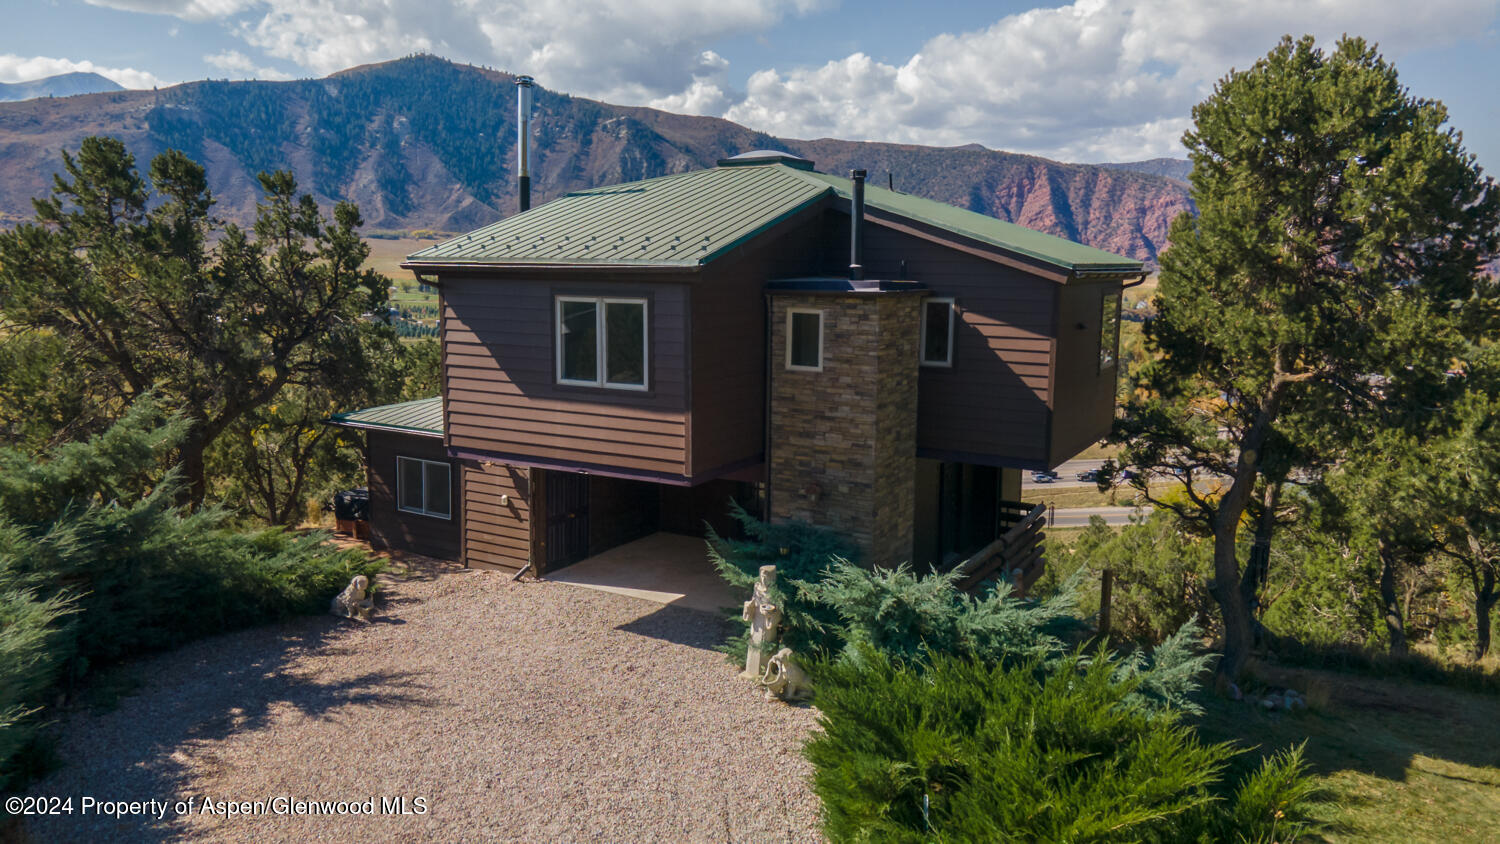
x=1341 y=231
x=149 y=292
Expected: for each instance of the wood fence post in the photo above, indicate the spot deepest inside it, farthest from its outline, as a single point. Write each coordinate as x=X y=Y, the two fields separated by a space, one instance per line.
x=1106 y=590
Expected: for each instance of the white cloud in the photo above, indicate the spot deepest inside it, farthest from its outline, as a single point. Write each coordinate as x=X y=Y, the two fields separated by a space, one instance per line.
x=242 y=66
x=15 y=68
x=1096 y=80
x=192 y=10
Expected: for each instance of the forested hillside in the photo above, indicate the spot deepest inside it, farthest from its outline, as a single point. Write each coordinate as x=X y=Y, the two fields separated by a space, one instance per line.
x=422 y=143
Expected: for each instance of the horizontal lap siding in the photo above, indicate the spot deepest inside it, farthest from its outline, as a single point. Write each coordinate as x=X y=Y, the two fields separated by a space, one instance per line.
x=500 y=378
x=394 y=528
x=496 y=535
x=996 y=400
x=729 y=346
x=1084 y=407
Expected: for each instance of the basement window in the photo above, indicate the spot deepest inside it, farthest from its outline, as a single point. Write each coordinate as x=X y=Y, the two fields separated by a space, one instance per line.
x=1109 y=331
x=601 y=342
x=804 y=340
x=424 y=487
x=937 y=332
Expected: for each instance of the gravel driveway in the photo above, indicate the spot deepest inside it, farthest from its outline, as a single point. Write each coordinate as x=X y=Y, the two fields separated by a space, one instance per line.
x=517 y=711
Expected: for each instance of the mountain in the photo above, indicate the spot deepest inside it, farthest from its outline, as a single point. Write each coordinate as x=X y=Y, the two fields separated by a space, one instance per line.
x=425 y=143
x=61 y=85
x=1171 y=168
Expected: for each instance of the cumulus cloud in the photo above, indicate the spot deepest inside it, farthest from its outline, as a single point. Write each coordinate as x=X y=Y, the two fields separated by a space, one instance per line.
x=631 y=51
x=15 y=68
x=240 y=65
x=192 y=10
x=1095 y=80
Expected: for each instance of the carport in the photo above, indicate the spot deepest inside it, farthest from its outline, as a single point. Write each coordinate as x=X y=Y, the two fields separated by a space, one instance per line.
x=665 y=568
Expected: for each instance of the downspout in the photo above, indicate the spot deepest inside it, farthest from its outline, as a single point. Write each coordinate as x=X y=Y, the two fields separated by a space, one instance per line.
x=857 y=226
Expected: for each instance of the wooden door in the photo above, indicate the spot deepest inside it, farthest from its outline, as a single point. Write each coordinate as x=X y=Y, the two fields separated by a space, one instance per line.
x=567 y=518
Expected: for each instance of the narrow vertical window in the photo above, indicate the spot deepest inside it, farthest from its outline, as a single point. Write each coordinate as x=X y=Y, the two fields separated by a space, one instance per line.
x=1109 y=331
x=937 y=332
x=578 y=341
x=602 y=342
x=624 y=343
x=804 y=340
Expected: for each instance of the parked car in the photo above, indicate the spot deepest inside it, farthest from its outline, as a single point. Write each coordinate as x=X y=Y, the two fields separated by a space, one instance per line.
x=1042 y=477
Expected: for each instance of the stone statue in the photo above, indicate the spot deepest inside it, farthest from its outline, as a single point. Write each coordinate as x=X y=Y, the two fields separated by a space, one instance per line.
x=352 y=603
x=785 y=679
x=765 y=619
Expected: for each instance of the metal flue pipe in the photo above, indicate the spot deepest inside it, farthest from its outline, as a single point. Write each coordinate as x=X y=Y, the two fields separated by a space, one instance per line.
x=857 y=227
x=523 y=138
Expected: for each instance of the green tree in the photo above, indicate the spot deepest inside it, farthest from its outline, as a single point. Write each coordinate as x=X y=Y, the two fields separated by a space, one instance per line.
x=1341 y=231
x=149 y=292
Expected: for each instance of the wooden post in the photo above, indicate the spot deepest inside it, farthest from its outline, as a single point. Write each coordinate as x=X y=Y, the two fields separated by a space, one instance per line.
x=1106 y=589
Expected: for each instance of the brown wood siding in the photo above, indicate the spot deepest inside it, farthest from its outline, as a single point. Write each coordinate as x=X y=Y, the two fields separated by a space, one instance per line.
x=729 y=344
x=391 y=527
x=496 y=535
x=1084 y=404
x=994 y=404
x=500 y=378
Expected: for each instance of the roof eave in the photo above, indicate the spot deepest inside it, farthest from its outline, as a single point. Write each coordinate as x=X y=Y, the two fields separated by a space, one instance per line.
x=376 y=426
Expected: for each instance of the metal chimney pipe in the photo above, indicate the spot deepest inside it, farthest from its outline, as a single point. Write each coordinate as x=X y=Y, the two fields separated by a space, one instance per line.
x=857 y=227
x=523 y=138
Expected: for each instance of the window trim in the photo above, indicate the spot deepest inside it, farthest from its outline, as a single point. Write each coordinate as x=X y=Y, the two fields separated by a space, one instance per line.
x=1114 y=353
x=601 y=341
x=448 y=467
x=947 y=363
x=790 y=313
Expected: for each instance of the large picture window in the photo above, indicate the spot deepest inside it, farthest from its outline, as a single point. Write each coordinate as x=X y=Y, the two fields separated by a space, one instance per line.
x=601 y=342
x=424 y=487
x=1109 y=331
x=804 y=340
x=937 y=332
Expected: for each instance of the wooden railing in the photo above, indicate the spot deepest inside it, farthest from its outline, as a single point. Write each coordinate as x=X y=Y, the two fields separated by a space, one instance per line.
x=1016 y=556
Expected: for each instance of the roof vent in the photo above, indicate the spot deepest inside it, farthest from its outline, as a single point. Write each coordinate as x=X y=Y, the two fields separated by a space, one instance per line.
x=766 y=156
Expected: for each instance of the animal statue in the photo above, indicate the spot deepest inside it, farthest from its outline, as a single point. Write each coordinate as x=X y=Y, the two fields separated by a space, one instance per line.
x=352 y=602
x=785 y=679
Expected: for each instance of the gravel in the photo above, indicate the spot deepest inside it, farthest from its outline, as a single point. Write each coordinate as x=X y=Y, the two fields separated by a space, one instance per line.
x=516 y=711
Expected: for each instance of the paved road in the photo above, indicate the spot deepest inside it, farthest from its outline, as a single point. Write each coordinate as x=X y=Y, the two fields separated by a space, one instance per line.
x=1079 y=516
x=1069 y=471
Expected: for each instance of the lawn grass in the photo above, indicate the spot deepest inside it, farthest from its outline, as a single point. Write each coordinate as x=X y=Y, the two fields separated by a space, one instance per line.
x=1400 y=760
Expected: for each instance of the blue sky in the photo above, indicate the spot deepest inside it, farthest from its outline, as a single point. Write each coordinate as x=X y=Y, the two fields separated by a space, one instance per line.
x=1096 y=80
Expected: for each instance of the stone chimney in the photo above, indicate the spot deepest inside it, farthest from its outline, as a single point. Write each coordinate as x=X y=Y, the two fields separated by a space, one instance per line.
x=843 y=436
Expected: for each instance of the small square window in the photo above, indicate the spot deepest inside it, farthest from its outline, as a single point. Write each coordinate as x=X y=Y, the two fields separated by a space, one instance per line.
x=937 y=332
x=804 y=340
x=601 y=342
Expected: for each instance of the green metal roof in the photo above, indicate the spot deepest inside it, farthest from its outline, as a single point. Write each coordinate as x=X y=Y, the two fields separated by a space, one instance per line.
x=1049 y=248
x=691 y=218
x=682 y=220
x=423 y=417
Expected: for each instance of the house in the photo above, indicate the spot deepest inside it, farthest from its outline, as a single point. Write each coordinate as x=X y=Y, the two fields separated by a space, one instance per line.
x=628 y=359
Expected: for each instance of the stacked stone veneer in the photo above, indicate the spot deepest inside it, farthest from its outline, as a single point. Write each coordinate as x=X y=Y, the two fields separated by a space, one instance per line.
x=844 y=441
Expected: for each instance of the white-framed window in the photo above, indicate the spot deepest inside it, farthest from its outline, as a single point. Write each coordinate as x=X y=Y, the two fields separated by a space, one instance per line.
x=602 y=342
x=804 y=339
x=1109 y=330
x=937 y=331
x=424 y=487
